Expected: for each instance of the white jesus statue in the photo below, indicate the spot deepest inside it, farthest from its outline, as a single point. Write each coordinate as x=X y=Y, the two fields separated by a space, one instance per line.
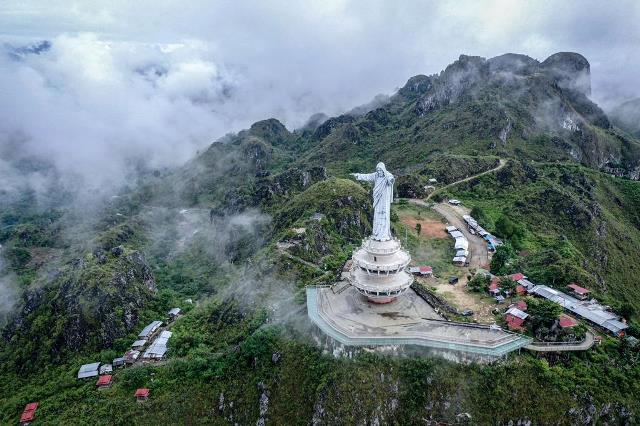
x=382 y=199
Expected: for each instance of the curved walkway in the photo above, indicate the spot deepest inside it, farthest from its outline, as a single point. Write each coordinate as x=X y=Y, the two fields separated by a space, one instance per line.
x=587 y=343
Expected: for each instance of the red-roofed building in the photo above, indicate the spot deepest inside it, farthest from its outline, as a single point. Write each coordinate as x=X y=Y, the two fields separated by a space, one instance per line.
x=517 y=277
x=567 y=322
x=426 y=270
x=521 y=290
x=32 y=406
x=494 y=288
x=104 y=381
x=515 y=318
x=142 y=394
x=29 y=413
x=514 y=323
x=522 y=305
x=578 y=292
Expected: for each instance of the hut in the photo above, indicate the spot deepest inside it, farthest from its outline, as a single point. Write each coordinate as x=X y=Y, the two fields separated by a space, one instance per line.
x=104 y=382
x=89 y=370
x=142 y=394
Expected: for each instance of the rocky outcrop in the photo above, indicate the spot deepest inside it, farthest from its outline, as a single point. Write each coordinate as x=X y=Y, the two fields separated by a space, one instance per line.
x=91 y=303
x=271 y=131
x=286 y=183
x=570 y=71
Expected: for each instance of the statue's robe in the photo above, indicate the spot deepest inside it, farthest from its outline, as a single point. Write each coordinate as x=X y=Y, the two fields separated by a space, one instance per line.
x=382 y=198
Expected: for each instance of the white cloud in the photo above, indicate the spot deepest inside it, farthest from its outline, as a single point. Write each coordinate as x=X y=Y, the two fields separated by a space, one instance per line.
x=159 y=80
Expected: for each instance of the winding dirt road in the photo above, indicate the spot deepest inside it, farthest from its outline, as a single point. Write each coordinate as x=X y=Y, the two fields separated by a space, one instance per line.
x=501 y=164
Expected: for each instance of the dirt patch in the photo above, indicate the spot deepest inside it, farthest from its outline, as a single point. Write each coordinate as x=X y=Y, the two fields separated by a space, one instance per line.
x=463 y=299
x=430 y=227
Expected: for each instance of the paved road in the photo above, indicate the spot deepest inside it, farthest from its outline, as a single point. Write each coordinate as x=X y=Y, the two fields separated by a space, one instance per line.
x=588 y=341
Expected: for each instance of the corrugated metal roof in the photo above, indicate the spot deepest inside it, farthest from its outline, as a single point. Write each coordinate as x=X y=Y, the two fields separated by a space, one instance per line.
x=149 y=329
x=517 y=313
x=594 y=312
x=159 y=346
x=89 y=370
x=174 y=311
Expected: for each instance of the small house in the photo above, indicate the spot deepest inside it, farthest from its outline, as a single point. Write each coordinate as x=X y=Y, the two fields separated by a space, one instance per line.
x=454 y=202
x=565 y=321
x=174 y=313
x=453 y=280
x=578 y=292
x=460 y=261
x=425 y=271
x=118 y=362
x=522 y=305
x=138 y=344
x=499 y=298
x=433 y=180
x=517 y=277
x=142 y=394
x=150 y=330
x=131 y=356
x=89 y=370
x=450 y=228
x=158 y=348
x=28 y=414
x=515 y=318
x=106 y=369
x=494 y=287
x=104 y=382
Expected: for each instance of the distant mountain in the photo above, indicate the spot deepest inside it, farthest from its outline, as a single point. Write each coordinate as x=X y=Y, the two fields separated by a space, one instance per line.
x=627 y=117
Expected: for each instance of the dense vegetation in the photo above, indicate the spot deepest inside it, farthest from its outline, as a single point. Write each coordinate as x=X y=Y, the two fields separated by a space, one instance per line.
x=246 y=224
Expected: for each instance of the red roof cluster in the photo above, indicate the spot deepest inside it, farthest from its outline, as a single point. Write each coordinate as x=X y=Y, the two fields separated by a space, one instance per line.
x=517 y=277
x=29 y=412
x=104 y=380
x=494 y=285
x=522 y=305
x=576 y=288
x=520 y=289
x=566 y=321
x=142 y=393
x=514 y=323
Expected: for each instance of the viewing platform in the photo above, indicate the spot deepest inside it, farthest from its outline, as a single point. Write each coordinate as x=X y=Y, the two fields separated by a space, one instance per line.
x=349 y=319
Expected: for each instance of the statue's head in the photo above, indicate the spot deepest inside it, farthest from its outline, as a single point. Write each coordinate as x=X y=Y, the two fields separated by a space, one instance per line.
x=381 y=169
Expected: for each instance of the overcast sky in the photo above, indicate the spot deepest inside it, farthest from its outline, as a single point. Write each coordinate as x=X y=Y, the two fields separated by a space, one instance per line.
x=161 y=79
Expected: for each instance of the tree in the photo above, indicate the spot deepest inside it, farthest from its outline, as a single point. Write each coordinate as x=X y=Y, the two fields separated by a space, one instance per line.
x=502 y=259
x=479 y=283
x=418 y=228
x=508 y=229
x=479 y=215
x=543 y=312
x=507 y=284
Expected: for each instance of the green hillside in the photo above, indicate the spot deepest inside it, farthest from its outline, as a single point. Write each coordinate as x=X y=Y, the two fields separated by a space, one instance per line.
x=241 y=229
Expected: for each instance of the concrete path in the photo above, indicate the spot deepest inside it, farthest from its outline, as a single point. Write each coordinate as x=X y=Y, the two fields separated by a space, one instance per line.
x=587 y=343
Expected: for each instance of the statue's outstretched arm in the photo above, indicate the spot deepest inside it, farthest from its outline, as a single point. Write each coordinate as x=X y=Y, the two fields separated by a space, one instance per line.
x=368 y=177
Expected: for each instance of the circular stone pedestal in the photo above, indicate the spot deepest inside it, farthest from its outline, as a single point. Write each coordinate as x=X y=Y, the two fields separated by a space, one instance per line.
x=378 y=270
